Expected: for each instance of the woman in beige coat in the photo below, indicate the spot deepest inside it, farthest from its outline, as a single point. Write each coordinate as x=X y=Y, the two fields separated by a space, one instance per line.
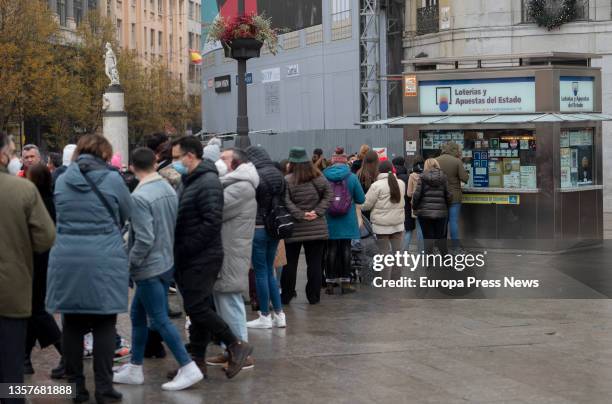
x=385 y=201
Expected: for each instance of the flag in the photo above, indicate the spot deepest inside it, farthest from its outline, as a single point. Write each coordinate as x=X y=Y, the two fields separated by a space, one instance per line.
x=195 y=56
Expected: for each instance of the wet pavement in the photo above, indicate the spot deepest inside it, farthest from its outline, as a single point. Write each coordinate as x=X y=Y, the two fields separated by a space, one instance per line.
x=383 y=346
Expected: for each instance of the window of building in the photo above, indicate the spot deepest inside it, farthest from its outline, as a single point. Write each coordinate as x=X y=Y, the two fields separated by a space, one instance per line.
x=109 y=8
x=133 y=36
x=144 y=5
x=160 y=6
x=493 y=158
x=159 y=42
x=170 y=47
x=61 y=12
x=428 y=17
x=119 y=31
x=576 y=148
x=341 y=19
x=133 y=3
x=191 y=10
x=181 y=49
x=181 y=9
x=78 y=11
x=152 y=41
x=119 y=5
x=191 y=40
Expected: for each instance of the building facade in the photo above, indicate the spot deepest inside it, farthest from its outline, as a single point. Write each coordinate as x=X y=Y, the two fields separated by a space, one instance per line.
x=312 y=83
x=157 y=30
x=468 y=28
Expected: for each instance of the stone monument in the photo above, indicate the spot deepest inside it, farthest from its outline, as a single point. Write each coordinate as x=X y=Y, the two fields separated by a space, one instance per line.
x=114 y=121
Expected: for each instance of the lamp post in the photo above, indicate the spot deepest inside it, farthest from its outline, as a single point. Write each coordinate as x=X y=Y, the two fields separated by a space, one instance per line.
x=242 y=120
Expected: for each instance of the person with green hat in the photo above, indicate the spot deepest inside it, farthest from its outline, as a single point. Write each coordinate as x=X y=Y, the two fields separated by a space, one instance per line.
x=307 y=198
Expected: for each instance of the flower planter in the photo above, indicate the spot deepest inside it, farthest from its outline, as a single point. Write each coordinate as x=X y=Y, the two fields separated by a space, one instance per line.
x=242 y=48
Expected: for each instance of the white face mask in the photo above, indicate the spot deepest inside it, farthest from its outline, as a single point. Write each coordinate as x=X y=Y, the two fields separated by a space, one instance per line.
x=14 y=166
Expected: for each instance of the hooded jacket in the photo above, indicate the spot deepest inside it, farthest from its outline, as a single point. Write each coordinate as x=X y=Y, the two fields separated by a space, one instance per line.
x=88 y=265
x=453 y=167
x=345 y=227
x=431 y=196
x=151 y=238
x=239 y=212
x=197 y=240
x=26 y=228
x=387 y=217
x=270 y=184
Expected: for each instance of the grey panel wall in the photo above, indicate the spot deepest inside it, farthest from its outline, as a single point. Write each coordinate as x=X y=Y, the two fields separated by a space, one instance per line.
x=325 y=95
x=278 y=145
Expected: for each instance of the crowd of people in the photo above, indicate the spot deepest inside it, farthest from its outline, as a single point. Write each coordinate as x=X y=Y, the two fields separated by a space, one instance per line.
x=81 y=228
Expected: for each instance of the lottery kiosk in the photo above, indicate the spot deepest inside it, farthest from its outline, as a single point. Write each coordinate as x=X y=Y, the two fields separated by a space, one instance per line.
x=530 y=130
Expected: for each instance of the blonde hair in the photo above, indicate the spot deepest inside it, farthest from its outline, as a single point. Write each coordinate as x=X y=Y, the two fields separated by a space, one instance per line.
x=362 y=151
x=430 y=164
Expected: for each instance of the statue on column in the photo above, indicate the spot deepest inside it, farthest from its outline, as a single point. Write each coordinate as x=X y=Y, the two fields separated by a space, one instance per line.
x=110 y=65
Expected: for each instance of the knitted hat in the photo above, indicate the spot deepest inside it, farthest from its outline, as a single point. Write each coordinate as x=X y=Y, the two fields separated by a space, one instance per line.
x=298 y=155
x=339 y=157
x=212 y=152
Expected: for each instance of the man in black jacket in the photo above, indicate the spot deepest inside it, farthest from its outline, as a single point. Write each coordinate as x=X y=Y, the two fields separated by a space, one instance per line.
x=198 y=253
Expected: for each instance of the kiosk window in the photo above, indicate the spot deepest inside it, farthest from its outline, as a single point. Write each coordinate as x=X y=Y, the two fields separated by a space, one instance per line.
x=494 y=158
x=576 y=157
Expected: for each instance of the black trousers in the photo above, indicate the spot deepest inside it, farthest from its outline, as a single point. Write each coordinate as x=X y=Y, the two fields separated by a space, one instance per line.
x=314 y=259
x=338 y=265
x=103 y=330
x=434 y=233
x=12 y=351
x=196 y=286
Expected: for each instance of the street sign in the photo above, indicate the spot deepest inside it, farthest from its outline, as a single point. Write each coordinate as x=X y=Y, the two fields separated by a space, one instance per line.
x=247 y=77
x=410 y=86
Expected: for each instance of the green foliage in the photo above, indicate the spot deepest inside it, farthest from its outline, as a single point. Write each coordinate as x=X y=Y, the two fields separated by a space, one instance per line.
x=544 y=18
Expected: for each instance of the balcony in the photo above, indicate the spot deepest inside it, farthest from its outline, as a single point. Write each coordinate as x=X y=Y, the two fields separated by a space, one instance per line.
x=427 y=20
x=582 y=10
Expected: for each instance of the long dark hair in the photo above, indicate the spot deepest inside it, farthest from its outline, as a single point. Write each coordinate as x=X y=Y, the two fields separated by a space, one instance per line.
x=417 y=164
x=369 y=169
x=40 y=175
x=303 y=172
x=387 y=168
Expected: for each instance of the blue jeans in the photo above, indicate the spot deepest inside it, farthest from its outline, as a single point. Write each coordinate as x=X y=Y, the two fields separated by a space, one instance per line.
x=151 y=301
x=453 y=222
x=419 y=234
x=264 y=251
x=230 y=306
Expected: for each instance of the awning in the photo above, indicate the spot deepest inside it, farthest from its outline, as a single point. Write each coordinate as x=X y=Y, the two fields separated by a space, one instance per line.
x=488 y=119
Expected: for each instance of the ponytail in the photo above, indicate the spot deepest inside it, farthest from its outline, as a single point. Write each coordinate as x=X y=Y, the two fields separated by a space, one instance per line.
x=387 y=167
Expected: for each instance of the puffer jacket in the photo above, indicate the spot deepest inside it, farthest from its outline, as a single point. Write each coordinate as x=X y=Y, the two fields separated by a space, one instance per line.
x=301 y=198
x=431 y=196
x=386 y=216
x=88 y=265
x=270 y=184
x=239 y=211
x=345 y=227
x=197 y=240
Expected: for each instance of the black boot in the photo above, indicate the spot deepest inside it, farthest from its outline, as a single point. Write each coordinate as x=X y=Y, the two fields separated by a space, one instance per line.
x=109 y=396
x=60 y=371
x=239 y=352
x=27 y=366
x=82 y=395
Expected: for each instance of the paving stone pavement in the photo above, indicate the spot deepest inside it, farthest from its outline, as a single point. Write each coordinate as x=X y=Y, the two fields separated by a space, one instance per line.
x=384 y=346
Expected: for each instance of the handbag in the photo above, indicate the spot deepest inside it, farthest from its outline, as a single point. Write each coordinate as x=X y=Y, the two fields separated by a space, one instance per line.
x=102 y=199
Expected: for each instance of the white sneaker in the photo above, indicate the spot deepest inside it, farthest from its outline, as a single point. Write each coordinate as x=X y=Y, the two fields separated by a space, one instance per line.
x=261 y=322
x=88 y=345
x=186 y=377
x=187 y=323
x=129 y=374
x=278 y=320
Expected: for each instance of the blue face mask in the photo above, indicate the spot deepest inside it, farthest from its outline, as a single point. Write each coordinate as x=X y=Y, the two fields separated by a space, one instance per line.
x=180 y=167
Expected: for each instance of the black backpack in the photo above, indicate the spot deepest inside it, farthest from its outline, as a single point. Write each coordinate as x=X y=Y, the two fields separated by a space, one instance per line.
x=278 y=221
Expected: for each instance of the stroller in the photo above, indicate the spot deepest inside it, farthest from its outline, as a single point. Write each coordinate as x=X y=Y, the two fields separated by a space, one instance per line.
x=362 y=254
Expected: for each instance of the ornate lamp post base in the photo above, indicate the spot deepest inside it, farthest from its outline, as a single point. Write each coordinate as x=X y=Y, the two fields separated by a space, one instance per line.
x=242 y=50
